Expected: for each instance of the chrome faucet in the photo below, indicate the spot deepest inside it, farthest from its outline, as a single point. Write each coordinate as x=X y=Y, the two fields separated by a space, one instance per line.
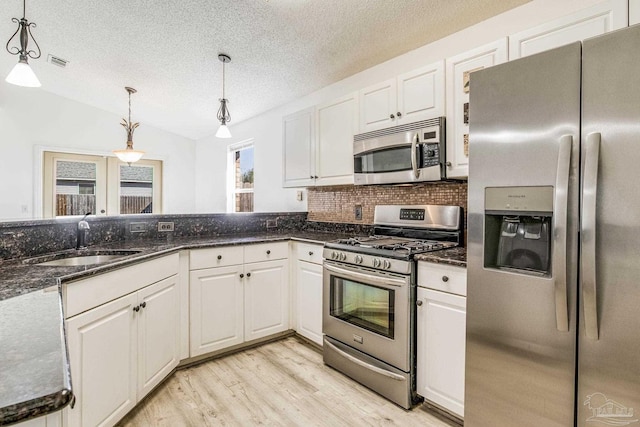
x=81 y=232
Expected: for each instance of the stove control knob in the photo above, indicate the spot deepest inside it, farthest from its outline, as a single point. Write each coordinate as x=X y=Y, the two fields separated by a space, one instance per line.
x=343 y=256
x=359 y=259
x=334 y=255
x=376 y=262
x=387 y=264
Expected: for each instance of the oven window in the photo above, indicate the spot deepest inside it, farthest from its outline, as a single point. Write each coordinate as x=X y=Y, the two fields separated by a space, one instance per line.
x=388 y=160
x=366 y=306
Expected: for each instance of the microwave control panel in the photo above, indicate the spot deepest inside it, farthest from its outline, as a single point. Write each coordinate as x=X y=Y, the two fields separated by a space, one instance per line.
x=430 y=154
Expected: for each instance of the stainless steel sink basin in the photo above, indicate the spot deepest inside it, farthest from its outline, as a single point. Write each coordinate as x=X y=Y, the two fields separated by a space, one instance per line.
x=75 y=258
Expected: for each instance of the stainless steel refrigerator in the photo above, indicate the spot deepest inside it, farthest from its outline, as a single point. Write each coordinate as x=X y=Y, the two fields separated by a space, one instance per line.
x=553 y=304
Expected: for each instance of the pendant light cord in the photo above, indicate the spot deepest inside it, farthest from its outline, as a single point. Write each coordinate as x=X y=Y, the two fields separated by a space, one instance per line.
x=129 y=107
x=223 y=79
x=24 y=9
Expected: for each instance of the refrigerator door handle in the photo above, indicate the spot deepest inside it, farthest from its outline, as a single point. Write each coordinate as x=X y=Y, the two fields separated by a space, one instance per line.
x=560 y=232
x=588 y=234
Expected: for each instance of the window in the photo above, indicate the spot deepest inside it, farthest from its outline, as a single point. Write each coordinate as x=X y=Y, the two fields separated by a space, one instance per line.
x=75 y=184
x=240 y=177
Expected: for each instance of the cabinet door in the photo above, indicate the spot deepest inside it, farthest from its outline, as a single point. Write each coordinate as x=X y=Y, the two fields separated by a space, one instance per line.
x=309 y=290
x=103 y=358
x=599 y=19
x=634 y=12
x=378 y=106
x=298 y=143
x=158 y=333
x=441 y=329
x=337 y=123
x=459 y=69
x=50 y=420
x=421 y=94
x=266 y=298
x=216 y=309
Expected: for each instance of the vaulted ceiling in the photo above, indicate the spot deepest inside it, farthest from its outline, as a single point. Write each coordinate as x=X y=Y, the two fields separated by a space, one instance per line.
x=168 y=49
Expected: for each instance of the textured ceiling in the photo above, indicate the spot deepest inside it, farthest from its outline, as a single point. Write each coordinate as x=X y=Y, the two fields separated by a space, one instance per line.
x=167 y=49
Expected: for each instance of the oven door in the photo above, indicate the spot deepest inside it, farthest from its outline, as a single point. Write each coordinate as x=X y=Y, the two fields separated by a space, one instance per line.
x=369 y=311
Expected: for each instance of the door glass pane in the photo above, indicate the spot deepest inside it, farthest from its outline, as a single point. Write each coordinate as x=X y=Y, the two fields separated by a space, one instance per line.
x=75 y=190
x=244 y=202
x=367 y=306
x=243 y=179
x=388 y=160
x=136 y=189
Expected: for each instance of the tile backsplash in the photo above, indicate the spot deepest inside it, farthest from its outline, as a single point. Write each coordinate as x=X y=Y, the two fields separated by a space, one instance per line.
x=338 y=203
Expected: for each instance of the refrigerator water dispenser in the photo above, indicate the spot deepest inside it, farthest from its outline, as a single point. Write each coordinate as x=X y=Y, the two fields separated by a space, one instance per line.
x=518 y=223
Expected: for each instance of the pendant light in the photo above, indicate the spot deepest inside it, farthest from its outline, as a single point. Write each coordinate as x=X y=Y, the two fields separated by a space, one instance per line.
x=129 y=155
x=223 y=111
x=22 y=74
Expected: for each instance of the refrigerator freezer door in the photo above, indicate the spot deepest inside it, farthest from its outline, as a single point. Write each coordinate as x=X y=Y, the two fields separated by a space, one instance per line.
x=521 y=346
x=609 y=350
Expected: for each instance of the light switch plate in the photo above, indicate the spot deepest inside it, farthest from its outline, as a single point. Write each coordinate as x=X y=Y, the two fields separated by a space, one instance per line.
x=299 y=195
x=138 y=227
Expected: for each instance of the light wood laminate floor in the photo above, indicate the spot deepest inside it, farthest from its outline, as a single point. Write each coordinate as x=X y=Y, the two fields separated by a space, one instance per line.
x=283 y=383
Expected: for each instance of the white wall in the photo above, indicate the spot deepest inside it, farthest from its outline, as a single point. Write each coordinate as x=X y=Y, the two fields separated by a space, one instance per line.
x=267 y=128
x=33 y=118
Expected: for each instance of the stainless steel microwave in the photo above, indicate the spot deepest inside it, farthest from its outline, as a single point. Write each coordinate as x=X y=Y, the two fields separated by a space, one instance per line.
x=414 y=152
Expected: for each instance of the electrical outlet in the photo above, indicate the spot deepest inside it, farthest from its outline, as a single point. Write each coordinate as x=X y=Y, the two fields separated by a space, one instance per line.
x=138 y=227
x=358 y=212
x=299 y=195
x=165 y=226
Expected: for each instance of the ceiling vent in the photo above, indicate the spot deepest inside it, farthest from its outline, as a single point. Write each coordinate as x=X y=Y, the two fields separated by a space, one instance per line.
x=62 y=63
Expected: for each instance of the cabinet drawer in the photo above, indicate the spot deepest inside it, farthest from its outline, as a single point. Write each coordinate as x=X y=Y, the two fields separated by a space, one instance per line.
x=443 y=277
x=88 y=293
x=215 y=257
x=309 y=252
x=266 y=252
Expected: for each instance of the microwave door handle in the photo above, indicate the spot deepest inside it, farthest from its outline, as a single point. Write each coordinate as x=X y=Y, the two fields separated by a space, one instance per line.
x=560 y=232
x=365 y=278
x=588 y=235
x=414 y=155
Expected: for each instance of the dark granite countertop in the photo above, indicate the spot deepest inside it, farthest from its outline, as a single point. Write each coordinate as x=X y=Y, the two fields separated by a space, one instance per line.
x=34 y=369
x=454 y=256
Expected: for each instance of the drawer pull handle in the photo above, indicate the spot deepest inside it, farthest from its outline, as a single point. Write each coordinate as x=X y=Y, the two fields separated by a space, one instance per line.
x=248 y=274
x=310 y=253
x=241 y=275
x=268 y=252
x=445 y=278
x=219 y=257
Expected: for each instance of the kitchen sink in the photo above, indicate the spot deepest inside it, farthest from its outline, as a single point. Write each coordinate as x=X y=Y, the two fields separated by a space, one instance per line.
x=75 y=258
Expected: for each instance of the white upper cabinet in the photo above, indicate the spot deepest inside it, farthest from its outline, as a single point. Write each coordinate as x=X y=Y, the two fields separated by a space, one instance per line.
x=337 y=123
x=634 y=12
x=410 y=97
x=599 y=19
x=459 y=69
x=298 y=147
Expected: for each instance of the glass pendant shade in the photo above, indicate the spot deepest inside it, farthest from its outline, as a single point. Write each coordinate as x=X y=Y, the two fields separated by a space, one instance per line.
x=223 y=132
x=23 y=75
x=129 y=155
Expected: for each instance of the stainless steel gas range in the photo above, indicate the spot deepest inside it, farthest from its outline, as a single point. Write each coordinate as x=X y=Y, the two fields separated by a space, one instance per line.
x=369 y=294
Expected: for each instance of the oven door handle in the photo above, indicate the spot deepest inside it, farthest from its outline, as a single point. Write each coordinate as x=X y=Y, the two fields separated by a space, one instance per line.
x=366 y=278
x=365 y=365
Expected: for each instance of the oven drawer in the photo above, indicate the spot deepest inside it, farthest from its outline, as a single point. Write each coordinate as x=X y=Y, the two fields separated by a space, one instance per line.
x=442 y=277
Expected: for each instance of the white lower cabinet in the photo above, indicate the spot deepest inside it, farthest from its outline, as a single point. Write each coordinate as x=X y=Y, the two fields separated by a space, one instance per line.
x=441 y=337
x=232 y=304
x=49 y=420
x=309 y=289
x=120 y=350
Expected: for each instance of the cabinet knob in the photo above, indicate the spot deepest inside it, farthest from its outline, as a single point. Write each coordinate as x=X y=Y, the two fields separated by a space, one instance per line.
x=311 y=177
x=419 y=302
x=448 y=164
x=219 y=257
x=143 y=304
x=445 y=278
x=392 y=117
x=136 y=308
x=248 y=274
x=310 y=253
x=268 y=252
x=315 y=177
x=399 y=114
x=241 y=275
